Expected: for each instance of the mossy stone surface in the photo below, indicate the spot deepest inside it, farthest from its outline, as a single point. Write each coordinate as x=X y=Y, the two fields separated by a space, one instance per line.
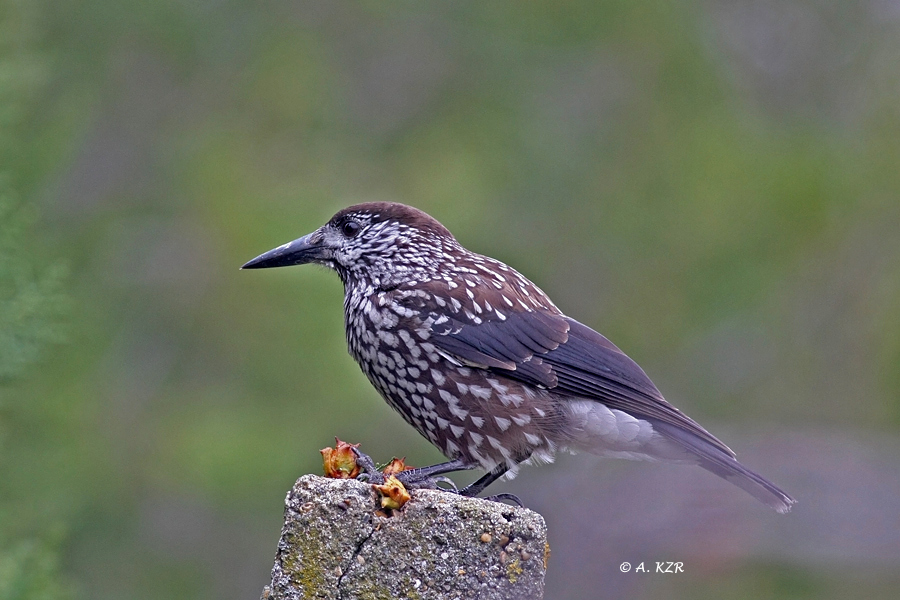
x=335 y=544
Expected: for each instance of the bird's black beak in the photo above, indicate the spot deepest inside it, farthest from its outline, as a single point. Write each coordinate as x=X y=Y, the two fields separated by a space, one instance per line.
x=299 y=252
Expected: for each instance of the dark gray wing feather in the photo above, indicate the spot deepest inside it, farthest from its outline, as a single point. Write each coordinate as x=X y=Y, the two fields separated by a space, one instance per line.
x=515 y=345
x=553 y=351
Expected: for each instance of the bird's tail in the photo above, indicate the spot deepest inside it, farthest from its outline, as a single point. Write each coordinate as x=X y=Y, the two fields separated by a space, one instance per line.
x=720 y=463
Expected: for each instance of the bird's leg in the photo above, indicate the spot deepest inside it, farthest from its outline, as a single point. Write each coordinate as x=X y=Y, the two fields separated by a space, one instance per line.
x=477 y=486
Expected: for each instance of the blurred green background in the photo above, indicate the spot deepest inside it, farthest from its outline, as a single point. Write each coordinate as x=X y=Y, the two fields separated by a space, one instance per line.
x=714 y=185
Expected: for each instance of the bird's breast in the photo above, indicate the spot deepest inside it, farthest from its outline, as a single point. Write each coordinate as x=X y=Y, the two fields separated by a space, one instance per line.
x=464 y=411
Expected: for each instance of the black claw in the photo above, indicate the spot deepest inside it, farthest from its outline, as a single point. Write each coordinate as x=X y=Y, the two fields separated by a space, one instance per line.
x=448 y=481
x=505 y=497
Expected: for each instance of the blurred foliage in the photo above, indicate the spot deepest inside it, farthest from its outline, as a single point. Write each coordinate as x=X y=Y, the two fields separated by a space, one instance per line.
x=32 y=309
x=32 y=305
x=29 y=571
x=32 y=302
x=713 y=185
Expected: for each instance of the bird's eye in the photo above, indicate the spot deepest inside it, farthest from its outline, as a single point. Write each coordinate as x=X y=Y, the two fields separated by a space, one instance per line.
x=350 y=228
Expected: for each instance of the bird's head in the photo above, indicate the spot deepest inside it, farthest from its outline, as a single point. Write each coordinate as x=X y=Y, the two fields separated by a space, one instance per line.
x=379 y=243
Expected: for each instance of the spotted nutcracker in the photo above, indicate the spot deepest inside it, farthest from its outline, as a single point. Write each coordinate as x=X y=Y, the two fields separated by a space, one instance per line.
x=482 y=363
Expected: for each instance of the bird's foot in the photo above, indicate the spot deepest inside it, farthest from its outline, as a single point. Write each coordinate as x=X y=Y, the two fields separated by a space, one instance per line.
x=368 y=471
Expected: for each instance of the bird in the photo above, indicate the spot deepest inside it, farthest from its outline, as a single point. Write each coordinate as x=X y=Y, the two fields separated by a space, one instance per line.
x=484 y=365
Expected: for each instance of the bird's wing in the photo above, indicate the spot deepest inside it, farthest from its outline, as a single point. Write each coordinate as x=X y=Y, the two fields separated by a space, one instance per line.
x=549 y=350
x=589 y=365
